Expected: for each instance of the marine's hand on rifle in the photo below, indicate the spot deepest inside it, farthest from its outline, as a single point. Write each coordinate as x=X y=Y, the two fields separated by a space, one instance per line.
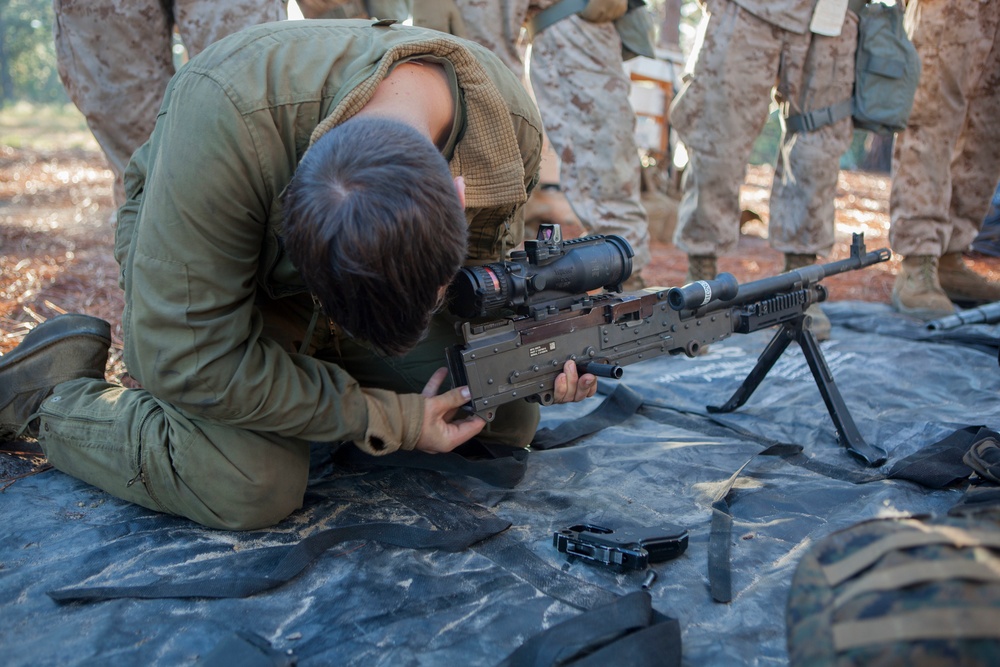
x=441 y=432
x=571 y=387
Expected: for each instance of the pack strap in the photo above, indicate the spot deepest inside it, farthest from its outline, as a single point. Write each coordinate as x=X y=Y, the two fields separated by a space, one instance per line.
x=500 y=469
x=550 y=15
x=626 y=631
x=616 y=408
x=282 y=565
x=921 y=536
x=986 y=570
x=923 y=625
x=817 y=118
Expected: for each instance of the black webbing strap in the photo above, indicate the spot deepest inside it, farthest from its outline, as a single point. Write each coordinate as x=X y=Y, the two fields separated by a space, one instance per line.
x=550 y=15
x=719 y=573
x=817 y=118
x=627 y=631
x=616 y=408
x=282 y=564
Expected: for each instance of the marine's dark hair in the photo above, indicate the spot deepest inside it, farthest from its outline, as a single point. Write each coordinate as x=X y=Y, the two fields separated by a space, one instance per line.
x=374 y=225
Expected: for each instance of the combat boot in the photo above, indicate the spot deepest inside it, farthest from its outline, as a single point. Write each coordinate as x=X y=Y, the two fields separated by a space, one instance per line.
x=963 y=285
x=701 y=267
x=917 y=291
x=819 y=323
x=63 y=348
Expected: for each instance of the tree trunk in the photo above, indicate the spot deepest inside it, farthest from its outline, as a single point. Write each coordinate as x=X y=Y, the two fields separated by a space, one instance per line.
x=6 y=82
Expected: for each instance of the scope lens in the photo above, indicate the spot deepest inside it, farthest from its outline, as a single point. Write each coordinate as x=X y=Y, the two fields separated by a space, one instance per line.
x=477 y=290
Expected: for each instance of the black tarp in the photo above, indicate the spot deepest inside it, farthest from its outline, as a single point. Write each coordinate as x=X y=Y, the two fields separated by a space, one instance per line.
x=364 y=603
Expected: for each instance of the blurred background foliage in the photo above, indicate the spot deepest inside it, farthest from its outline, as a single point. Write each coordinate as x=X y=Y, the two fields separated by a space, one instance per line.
x=27 y=54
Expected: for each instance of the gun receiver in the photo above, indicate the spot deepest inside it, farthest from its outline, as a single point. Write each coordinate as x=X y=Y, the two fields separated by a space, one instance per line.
x=518 y=356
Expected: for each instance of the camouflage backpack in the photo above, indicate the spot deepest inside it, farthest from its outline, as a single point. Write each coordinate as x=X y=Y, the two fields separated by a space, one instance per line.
x=903 y=591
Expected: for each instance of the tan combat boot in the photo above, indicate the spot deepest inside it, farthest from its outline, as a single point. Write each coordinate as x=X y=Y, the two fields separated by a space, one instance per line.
x=701 y=267
x=66 y=347
x=917 y=291
x=963 y=285
x=818 y=322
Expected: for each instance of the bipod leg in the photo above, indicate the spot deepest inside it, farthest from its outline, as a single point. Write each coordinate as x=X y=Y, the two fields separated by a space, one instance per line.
x=767 y=359
x=850 y=437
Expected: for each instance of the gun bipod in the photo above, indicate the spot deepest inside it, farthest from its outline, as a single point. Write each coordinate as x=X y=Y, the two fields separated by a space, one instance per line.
x=794 y=330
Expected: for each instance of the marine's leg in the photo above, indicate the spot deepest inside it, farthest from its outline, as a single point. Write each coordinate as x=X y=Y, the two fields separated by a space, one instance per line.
x=201 y=22
x=819 y=73
x=583 y=95
x=931 y=219
x=718 y=114
x=135 y=447
x=115 y=59
x=139 y=449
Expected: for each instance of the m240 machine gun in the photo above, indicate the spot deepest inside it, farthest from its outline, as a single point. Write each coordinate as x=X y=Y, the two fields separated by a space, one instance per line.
x=558 y=300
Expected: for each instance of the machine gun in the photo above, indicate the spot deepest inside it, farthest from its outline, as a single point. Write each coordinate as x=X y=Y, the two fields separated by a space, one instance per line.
x=558 y=300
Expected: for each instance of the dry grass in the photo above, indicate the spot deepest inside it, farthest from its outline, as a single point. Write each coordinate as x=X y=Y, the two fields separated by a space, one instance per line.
x=56 y=240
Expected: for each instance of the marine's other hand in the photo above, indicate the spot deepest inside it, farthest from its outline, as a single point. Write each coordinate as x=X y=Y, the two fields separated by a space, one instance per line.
x=441 y=431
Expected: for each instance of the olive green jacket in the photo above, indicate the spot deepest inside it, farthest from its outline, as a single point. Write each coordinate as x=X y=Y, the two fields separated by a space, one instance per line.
x=199 y=237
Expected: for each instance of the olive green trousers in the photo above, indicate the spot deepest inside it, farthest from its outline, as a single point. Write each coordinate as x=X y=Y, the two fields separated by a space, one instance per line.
x=141 y=449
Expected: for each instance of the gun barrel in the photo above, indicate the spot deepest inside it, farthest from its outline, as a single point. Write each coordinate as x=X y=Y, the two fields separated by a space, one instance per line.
x=988 y=314
x=786 y=282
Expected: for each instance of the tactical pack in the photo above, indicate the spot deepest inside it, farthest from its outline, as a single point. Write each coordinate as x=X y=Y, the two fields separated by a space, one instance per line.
x=917 y=590
x=886 y=73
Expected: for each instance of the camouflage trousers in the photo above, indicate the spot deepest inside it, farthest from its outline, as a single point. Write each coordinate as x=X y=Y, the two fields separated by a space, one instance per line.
x=743 y=62
x=115 y=58
x=582 y=93
x=947 y=162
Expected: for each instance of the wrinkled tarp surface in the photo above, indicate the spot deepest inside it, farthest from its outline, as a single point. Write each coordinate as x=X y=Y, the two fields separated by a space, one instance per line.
x=364 y=603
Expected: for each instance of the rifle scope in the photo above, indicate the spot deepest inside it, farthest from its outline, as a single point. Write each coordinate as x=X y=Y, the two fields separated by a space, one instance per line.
x=547 y=275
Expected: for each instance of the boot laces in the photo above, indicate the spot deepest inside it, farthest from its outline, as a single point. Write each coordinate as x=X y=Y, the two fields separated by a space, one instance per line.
x=927 y=273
